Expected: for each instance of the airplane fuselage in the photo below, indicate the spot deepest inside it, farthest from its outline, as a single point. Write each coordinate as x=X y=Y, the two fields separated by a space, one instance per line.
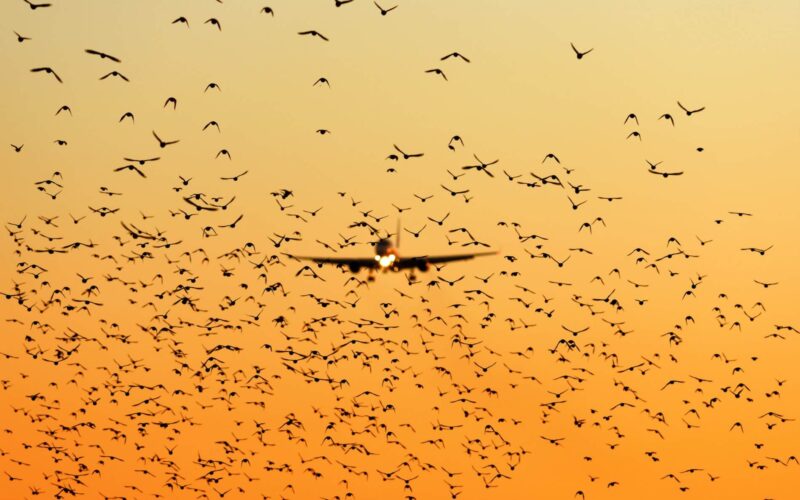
x=386 y=255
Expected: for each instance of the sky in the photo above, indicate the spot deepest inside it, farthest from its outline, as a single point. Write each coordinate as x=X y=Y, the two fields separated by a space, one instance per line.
x=208 y=329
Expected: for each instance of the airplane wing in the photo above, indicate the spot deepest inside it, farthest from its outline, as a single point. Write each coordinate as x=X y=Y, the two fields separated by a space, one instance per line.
x=411 y=262
x=355 y=263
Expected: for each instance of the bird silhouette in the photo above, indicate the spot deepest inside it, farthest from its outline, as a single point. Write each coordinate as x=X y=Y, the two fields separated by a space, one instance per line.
x=21 y=38
x=578 y=53
x=690 y=112
x=35 y=6
x=455 y=55
x=102 y=55
x=49 y=71
x=313 y=33
x=386 y=10
x=437 y=71
x=162 y=143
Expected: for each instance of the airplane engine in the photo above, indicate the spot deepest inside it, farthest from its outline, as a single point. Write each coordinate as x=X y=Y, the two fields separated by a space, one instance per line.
x=423 y=266
x=354 y=268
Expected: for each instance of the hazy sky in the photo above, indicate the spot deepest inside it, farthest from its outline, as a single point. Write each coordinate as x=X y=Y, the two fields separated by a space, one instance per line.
x=522 y=95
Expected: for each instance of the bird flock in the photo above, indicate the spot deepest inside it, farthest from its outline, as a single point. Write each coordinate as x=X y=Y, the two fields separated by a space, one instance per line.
x=159 y=339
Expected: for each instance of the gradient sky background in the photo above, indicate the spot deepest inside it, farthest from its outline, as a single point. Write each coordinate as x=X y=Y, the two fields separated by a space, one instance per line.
x=522 y=96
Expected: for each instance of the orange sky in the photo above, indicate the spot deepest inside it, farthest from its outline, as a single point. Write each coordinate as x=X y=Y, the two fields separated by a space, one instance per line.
x=99 y=424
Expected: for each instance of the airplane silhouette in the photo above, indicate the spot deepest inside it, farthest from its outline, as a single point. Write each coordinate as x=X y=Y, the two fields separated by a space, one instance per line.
x=387 y=258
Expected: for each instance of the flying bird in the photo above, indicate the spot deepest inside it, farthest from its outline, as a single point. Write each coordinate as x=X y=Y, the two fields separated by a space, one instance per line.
x=35 y=6
x=455 y=55
x=313 y=33
x=162 y=143
x=102 y=55
x=578 y=53
x=21 y=38
x=437 y=71
x=384 y=11
x=690 y=112
x=49 y=71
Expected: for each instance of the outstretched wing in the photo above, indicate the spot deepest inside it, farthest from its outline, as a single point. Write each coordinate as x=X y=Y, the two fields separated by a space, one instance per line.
x=412 y=262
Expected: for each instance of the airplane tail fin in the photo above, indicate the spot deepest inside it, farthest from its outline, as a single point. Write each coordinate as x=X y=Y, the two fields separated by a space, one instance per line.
x=397 y=234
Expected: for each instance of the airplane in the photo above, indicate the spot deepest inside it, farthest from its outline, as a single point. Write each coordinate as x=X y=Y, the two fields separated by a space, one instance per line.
x=387 y=258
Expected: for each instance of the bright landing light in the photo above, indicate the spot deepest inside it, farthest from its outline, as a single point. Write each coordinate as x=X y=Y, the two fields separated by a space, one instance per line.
x=385 y=260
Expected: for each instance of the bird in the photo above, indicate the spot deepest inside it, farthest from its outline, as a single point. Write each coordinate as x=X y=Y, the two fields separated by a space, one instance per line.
x=457 y=139
x=162 y=143
x=766 y=284
x=384 y=11
x=35 y=6
x=21 y=38
x=635 y=134
x=437 y=71
x=116 y=74
x=664 y=174
x=142 y=161
x=455 y=55
x=313 y=33
x=481 y=167
x=235 y=177
x=49 y=71
x=407 y=156
x=130 y=167
x=690 y=112
x=551 y=156
x=579 y=54
x=213 y=21
x=212 y=123
x=102 y=55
